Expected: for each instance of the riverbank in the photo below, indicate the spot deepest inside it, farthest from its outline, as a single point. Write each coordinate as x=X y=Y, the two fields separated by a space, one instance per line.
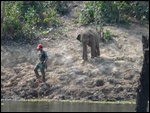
x=111 y=77
x=71 y=101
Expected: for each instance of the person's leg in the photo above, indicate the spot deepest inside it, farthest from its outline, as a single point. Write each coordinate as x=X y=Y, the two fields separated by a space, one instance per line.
x=36 y=71
x=43 y=73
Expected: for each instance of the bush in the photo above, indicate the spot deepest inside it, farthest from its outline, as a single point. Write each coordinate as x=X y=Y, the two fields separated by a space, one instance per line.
x=113 y=11
x=106 y=36
x=25 y=19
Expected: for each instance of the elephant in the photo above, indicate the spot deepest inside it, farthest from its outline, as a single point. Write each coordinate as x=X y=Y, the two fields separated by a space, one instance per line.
x=92 y=39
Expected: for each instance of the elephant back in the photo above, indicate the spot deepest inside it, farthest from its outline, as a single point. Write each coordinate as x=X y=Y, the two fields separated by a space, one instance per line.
x=95 y=35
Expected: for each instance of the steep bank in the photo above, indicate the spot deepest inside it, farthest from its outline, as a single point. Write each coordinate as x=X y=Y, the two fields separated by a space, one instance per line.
x=112 y=76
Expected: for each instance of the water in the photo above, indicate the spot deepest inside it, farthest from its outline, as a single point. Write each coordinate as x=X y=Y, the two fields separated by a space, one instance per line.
x=56 y=106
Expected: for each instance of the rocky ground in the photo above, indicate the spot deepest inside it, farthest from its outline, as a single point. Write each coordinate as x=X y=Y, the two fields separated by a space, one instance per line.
x=112 y=76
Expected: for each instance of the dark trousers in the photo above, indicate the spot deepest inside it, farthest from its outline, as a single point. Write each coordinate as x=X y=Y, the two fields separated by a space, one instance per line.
x=42 y=67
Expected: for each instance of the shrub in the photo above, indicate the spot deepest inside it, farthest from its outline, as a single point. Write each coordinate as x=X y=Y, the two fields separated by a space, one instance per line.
x=106 y=36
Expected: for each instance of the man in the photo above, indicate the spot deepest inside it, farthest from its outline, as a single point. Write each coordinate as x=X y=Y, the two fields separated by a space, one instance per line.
x=42 y=64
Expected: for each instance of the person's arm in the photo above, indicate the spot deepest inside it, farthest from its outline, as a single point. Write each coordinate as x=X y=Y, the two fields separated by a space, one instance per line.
x=45 y=61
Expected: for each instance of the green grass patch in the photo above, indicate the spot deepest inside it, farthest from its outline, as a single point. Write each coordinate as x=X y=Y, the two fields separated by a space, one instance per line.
x=77 y=101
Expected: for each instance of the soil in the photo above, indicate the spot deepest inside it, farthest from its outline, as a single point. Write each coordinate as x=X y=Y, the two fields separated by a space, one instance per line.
x=112 y=77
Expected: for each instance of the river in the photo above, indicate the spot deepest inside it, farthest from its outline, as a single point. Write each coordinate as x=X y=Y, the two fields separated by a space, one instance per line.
x=57 y=106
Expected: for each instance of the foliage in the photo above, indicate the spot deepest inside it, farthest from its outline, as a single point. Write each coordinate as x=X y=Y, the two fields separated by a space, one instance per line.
x=28 y=19
x=113 y=11
x=60 y=6
x=87 y=14
x=107 y=36
x=140 y=9
x=31 y=19
x=11 y=23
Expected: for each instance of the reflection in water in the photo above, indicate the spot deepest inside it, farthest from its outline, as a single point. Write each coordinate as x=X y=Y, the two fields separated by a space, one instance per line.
x=16 y=106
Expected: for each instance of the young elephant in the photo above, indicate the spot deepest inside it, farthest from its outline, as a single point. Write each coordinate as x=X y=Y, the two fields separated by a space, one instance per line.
x=92 y=39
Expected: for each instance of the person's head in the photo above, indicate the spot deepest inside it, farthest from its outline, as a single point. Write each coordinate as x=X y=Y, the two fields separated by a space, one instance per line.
x=39 y=47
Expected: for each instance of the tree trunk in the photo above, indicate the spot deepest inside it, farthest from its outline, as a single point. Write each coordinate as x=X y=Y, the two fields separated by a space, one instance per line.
x=143 y=88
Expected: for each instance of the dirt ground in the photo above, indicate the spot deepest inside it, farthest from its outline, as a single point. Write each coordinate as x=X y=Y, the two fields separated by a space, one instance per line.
x=113 y=76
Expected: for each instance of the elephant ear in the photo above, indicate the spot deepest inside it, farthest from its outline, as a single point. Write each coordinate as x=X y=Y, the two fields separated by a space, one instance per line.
x=79 y=37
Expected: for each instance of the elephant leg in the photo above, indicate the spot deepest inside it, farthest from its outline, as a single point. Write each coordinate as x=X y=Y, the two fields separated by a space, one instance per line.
x=97 y=51
x=96 y=54
x=93 y=50
x=84 y=52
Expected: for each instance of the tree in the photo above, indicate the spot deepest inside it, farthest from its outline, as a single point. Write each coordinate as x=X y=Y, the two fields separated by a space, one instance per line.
x=143 y=88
